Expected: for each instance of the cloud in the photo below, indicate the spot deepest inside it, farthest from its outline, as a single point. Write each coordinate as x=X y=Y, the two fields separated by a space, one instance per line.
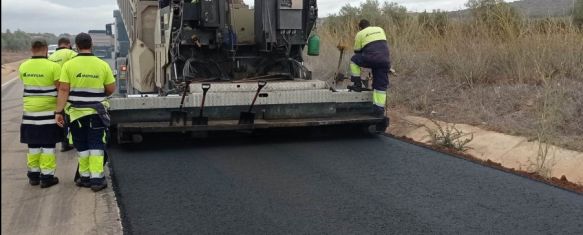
x=46 y=16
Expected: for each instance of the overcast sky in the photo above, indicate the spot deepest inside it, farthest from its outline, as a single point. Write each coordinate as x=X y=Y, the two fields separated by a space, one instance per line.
x=74 y=16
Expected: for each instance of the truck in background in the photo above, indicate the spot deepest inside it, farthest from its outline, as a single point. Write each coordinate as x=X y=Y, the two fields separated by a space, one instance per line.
x=52 y=49
x=102 y=43
x=121 y=47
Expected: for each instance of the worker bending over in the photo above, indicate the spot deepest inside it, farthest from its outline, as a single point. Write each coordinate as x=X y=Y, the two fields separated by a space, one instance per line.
x=85 y=83
x=371 y=51
x=39 y=130
x=62 y=55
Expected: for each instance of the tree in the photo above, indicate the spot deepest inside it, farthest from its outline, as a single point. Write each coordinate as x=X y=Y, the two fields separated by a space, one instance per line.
x=370 y=10
x=499 y=17
x=16 y=41
x=397 y=13
x=475 y=4
x=437 y=21
x=424 y=19
x=20 y=40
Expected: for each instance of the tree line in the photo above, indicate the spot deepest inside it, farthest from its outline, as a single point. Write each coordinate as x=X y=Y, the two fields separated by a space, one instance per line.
x=20 y=40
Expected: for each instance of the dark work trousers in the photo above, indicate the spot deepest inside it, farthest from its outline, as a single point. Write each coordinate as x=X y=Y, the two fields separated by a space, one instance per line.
x=89 y=138
x=65 y=142
x=375 y=56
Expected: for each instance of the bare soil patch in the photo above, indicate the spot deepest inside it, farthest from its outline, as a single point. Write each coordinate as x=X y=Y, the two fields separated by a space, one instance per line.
x=12 y=56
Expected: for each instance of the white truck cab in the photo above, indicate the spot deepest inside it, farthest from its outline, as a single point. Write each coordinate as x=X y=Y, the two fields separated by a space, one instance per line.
x=53 y=48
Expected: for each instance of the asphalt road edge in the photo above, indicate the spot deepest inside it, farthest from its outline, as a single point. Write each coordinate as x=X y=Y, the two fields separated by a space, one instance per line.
x=9 y=81
x=126 y=225
x=562 y=183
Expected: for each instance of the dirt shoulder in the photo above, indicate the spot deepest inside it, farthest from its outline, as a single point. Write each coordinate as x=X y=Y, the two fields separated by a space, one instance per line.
x=12 y=56
x=10 y=63
x=10 y=71
x=61 y=209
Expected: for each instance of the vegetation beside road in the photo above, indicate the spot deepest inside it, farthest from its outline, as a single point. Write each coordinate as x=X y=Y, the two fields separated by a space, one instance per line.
x=20 y=40
x=494 y=68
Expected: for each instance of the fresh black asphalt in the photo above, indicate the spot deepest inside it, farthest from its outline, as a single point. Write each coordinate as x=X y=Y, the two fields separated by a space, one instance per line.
x=295 y=184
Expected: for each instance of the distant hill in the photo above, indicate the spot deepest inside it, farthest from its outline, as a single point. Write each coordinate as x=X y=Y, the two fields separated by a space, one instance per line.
x=537 y=8
x=542 y=8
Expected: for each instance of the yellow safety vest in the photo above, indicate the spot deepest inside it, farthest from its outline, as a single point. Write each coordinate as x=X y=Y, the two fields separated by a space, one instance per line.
x=62 y=55
x=368 y=35
x=87 y=76
x=39 y=75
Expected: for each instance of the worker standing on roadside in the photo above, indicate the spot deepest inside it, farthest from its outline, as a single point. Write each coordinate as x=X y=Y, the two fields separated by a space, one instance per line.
x=85 y=83
x=371 y=51
x=39 y=130
x=62 y=55
x=63 y=52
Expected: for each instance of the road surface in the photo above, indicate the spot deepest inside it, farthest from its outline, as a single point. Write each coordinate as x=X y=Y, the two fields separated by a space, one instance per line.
x=279 y=184
x=61 y=209
x=292 y=184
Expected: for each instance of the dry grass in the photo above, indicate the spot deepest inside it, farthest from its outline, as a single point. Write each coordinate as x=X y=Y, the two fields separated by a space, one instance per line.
x=449 y=137
x=471 y=73
x=11 y=56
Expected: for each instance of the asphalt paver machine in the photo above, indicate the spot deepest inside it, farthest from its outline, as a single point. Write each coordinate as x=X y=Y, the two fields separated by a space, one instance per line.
x=243 y=65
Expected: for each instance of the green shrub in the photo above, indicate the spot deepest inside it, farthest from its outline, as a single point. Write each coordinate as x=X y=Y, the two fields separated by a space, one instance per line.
x=17 y=41
x=499 y=17
x=20 y=40
x=436 y=22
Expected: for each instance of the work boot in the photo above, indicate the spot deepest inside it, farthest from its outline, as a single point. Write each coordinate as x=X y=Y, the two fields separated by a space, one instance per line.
x=98 y=187
x=66 y=147
x=33 y=182
x=355 y=88
x=83 y=182
x=48 y=181
x=356 y=84
x=97 y=184
x=33 y=178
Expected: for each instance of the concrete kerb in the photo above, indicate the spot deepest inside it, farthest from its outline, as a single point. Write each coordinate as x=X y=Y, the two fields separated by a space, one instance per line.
x=512 y=152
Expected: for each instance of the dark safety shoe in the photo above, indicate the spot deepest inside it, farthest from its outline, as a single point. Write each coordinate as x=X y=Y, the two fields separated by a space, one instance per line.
x=33 y=182
x=354 y=88
x=45 y=183
x=98 y=187
x=356 y=84
x=33 y=178
x=357 y=88
x=83 y=182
